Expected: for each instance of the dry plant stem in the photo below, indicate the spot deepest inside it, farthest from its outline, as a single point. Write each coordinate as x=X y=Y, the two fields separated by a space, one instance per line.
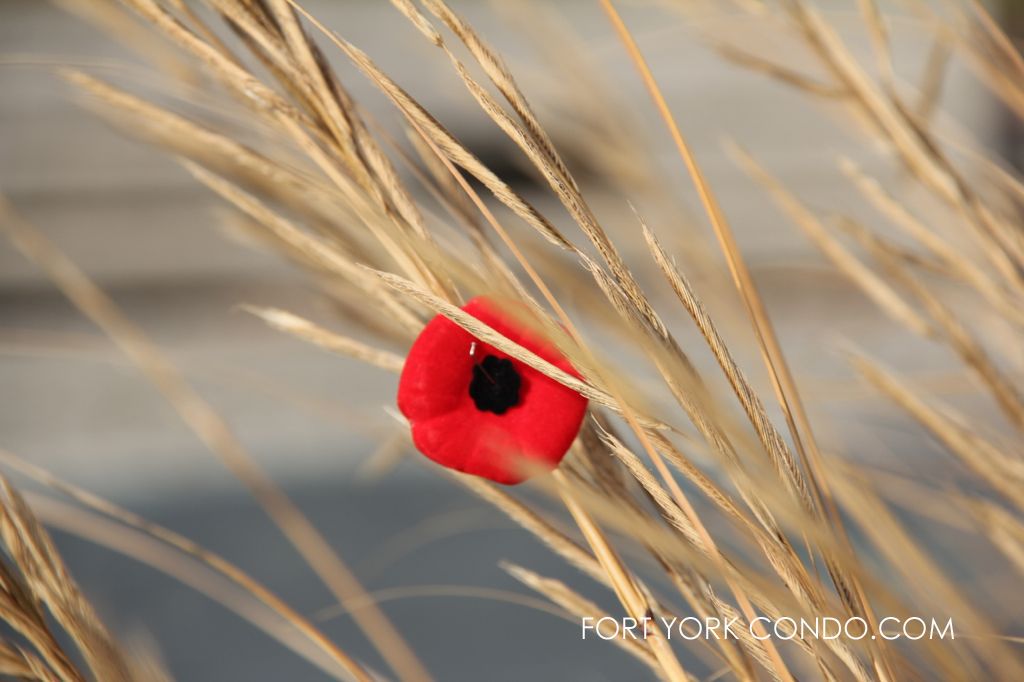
x=641 y=432
x=137 y=545
x=120 y=25
x=900 y=547
x=344 y=662
x=879 y=34
x=985 y=461
x=39 y=599
x=558 y=542
x=316 y=252
x=999 y=37
x=772 y=600
x=778 y=72
x=665 y=654
x=997 y=236
x=624 y=586
x=208 y=425
x=951 y=330
x=297 y=126
x=921 y=156
x=1002 y=527
x=676 y=517
x=873 y=286
x=737 y=267
x=418 y=119
x=1002 y=471
x=317 y=335
x=561 y=594
x=444 y=590
x=635 y=524
x=785 y=388
x=960 y=267
x=562 y=545
x=783 y=558
x=781 y=379
x=552 y=537
x=933 y=79
x=626 y=412
x=422 y=120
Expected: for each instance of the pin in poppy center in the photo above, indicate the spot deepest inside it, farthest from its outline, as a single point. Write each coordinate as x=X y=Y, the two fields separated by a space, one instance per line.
x=495 y=385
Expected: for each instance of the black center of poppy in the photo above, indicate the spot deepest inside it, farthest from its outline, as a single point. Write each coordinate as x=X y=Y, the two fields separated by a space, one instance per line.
x=495 y=385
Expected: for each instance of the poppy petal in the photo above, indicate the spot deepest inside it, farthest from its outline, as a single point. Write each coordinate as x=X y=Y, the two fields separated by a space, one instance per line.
x=447 y=425
x=432 y=380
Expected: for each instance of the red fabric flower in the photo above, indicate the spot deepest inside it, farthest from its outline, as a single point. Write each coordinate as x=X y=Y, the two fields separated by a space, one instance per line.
x=477 y=410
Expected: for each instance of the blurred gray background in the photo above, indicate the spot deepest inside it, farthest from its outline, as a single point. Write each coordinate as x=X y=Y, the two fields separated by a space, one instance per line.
x=137 y=223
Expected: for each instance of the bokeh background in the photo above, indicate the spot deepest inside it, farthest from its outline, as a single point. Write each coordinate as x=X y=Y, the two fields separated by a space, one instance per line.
x=324 y=427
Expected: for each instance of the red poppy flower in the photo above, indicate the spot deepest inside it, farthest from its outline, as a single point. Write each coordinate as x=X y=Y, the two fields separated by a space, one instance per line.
x=477 y=410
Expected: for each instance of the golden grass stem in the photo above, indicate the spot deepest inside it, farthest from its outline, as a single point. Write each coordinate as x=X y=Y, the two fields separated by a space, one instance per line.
x=781 y=380
x=626 y=589
x=344 y=663
x=216 y=434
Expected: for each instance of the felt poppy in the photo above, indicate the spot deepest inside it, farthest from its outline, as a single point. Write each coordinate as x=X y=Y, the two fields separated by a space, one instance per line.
x=475 y=409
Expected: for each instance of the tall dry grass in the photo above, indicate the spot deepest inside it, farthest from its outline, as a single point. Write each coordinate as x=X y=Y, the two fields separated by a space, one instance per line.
x=743 y=514
x=53 y=631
